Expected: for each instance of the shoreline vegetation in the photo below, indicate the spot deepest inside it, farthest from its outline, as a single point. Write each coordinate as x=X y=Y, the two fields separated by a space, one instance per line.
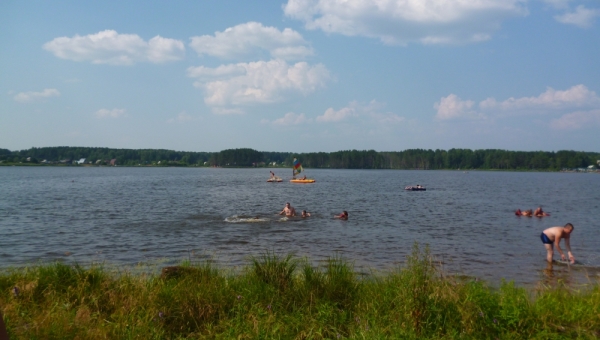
x=453 y=159
x=281 y=296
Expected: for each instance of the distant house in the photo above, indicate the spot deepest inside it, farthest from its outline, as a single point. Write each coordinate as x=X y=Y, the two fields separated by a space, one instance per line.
x=113 y=162
x=81 y=161
x=29 y=159
x=65 y=161
x=99 y=161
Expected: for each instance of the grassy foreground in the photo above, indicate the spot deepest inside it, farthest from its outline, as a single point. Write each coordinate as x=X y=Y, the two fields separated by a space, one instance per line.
x=284 y=297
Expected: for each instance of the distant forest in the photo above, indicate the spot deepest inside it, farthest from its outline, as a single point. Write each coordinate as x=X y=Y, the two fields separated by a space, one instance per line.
x=351 y=159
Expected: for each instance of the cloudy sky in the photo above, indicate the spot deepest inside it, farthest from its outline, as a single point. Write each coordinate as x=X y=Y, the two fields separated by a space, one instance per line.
x=301 y=75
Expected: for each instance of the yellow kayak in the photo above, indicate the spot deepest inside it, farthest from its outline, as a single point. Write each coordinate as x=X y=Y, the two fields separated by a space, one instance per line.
x=302 y=180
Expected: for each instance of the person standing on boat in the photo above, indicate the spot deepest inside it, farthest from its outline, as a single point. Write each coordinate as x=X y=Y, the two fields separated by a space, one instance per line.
x=552 y=236
x=272 y=174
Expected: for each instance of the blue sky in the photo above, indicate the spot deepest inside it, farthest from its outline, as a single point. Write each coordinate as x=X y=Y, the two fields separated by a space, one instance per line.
x=301 y=75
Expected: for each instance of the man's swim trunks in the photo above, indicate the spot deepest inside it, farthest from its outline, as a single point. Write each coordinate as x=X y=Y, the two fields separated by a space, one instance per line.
x=545 y=239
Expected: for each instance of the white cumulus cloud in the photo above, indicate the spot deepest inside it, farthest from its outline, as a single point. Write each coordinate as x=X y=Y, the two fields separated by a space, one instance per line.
x=576 y=96
x=257 y=82
x=577 y=120
x=332 y=115
x=581 y=17
x=452 y=107
x=404 y=21
x=106 y=113
x=250 y=39
x=370 y=112
x=110 y=47
x=24 y=97
x=289 y=119
x=577 y=106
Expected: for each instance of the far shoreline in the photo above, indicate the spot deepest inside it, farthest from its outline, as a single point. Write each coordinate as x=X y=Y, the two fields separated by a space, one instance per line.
x=282 y=168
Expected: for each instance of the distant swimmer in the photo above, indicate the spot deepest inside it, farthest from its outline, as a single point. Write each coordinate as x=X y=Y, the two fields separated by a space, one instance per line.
x=552 y=236
x=288 y=210
x=527 y=213
x=305 y=214
x=540 y=213
x=342 y=216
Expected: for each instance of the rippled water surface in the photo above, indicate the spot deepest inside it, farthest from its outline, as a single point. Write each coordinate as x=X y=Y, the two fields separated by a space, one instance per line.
x=131 y=215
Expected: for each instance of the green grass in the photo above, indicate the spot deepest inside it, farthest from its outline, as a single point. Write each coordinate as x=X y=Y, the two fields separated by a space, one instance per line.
x=283 y=297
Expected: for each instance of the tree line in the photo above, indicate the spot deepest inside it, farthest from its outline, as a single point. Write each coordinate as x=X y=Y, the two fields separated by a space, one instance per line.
x=348 y=159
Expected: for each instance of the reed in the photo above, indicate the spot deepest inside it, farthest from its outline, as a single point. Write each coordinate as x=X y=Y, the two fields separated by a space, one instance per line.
x=279 y=296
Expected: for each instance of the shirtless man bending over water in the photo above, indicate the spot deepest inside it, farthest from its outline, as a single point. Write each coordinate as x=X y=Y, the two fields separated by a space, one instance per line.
x=552 y=236
x=288 y=210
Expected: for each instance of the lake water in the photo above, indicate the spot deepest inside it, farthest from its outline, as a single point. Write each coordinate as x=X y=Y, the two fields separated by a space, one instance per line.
x=131 y=215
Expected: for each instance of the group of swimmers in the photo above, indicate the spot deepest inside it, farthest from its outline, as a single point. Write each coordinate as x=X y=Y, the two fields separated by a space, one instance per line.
x=553 y=235
x=529 y=213
x=289 y=211
x=549 y=237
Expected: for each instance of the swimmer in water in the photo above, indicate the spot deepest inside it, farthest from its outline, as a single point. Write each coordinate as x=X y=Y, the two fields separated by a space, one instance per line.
x=288 y=210
x=527 y=213
x=552 y=236
x=305 y=214
x=342 y=216
x=540 y=213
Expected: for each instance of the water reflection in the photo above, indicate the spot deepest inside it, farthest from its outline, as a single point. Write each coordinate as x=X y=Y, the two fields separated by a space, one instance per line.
x=558 y=274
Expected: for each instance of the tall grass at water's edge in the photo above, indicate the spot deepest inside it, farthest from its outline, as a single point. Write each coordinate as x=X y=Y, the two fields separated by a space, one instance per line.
x=285 y=297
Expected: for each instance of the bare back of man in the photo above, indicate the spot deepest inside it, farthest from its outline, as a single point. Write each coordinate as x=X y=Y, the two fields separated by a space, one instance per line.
x=552 y=236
